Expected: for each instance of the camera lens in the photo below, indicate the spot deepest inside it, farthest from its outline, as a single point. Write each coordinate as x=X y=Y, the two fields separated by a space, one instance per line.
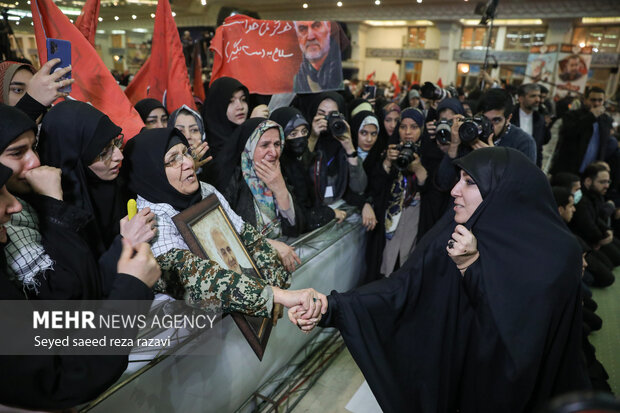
x=469 y=131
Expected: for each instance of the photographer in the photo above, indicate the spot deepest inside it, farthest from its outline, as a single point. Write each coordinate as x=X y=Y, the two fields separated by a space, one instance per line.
x=336 y=168
x=490 y=128
x=402 y=201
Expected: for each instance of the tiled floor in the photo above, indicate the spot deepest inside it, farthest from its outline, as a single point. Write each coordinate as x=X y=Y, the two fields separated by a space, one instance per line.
x=334 y=389
x=607 y=339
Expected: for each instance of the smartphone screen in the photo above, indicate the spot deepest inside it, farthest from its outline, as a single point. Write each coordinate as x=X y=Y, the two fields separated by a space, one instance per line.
x=370 y=90
x=60 y=49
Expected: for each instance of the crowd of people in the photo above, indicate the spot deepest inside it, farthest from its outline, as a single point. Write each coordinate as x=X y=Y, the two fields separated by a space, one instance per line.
x=467 y=244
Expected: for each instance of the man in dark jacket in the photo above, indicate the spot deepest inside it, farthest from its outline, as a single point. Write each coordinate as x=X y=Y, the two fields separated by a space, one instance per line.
x=585 y=137
x=527 y=117
x=592 y=214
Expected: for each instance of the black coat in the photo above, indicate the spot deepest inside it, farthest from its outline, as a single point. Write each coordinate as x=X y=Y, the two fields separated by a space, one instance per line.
x=60 y=381
x=540 y=132
x=587 y=222
x=506 y=336
x=295 y=172
x=75 y=274
x=241 y=200
x=575 y=135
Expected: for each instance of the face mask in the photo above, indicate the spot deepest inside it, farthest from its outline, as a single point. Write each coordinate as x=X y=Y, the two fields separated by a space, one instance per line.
x=577 y=196
x=296 y=146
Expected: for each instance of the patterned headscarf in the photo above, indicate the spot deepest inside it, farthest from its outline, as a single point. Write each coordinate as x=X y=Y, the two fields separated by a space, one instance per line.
x=264 y=201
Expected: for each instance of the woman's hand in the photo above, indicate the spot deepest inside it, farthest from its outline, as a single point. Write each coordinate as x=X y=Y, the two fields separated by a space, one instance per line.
x=463 y=248
x=346 y=142
x=319 y=124
x=340 y=215
x=270 y=174
x=260 y=111
x=44 y=85
x=369 y=220
x=141 y=228
x=390 y=156
x=312 y=302
x=287 y=254
x=198 y=152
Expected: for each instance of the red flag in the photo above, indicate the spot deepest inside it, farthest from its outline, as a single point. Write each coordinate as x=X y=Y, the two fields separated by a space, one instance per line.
x=93 y=81
x=394 y=81
x=164 y=76
x=199 y=90
x=440 y=83
x=88 y=19
x=370 y=78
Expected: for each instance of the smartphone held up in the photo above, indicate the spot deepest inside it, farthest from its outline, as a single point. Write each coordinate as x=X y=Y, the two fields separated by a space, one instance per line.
x=60 y=49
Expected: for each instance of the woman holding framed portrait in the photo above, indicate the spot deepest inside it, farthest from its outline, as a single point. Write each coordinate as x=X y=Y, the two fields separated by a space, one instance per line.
x=159 y=168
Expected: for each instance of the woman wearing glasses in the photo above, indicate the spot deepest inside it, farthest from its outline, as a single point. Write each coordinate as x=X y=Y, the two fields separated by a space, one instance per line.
x=86 y=145
x=160 y=169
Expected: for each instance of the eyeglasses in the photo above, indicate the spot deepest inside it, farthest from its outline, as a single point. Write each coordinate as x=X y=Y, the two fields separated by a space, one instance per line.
x=177 y=159
x=297 y=134
x=106 y=154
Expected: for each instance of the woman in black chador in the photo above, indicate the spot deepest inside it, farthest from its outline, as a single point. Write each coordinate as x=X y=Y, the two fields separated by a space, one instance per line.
x=485 y=316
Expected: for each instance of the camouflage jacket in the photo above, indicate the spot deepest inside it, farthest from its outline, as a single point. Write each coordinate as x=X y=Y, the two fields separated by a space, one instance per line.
x=199 y=281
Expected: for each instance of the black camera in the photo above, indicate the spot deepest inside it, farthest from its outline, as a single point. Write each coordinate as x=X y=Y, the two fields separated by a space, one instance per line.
x=443 y=132
x=336 y=123
x=405 y=155
x=477 y=127
x=432 y=92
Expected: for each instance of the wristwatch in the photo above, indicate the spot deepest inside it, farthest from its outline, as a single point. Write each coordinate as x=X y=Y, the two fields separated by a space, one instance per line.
x=352 y=155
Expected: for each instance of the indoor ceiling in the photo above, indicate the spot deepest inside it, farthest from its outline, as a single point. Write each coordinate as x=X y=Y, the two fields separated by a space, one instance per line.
x=204 y=12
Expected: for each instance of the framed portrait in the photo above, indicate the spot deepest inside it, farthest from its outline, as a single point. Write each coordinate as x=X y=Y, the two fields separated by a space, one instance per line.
x=209 y=234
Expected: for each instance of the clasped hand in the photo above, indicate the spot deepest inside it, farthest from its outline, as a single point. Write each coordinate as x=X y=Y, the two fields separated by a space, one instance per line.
x=463 y=247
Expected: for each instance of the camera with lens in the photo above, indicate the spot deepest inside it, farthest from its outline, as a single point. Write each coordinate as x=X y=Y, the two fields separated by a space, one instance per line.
x=405 y=155
x=443 y=132
x=336 y=123
x=477 y=127
x=432 y=92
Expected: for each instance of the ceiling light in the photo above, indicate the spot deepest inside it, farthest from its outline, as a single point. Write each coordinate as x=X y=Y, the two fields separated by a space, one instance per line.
x=173 y=14
x=599 y=20
x=339 y=4
x=134 y=17
x=100 y=19
x=17 y=23
x=377 y=2
x=305 y=5
x=203 y=2
x=116 y=18
x=152 y=15
x=504 y=22
x=419 y=1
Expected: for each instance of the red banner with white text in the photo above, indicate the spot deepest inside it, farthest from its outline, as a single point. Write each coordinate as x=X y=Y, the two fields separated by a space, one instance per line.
x=277 y=56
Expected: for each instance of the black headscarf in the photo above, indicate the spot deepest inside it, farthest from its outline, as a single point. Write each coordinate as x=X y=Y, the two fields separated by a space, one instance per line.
x=290 y=118
x=374 y=155
x=146 y=106
x=219 y=130
x=13 y=122
x=144 y=169
x=231 y=158
x=73 y=133
x=505 y=336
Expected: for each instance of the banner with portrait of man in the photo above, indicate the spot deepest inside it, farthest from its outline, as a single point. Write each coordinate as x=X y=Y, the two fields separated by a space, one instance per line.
x=277 y=56
x=572 y=69
x=541 y=64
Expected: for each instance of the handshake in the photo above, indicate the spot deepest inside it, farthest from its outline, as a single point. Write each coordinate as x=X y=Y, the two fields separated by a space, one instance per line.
x=305 y=306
